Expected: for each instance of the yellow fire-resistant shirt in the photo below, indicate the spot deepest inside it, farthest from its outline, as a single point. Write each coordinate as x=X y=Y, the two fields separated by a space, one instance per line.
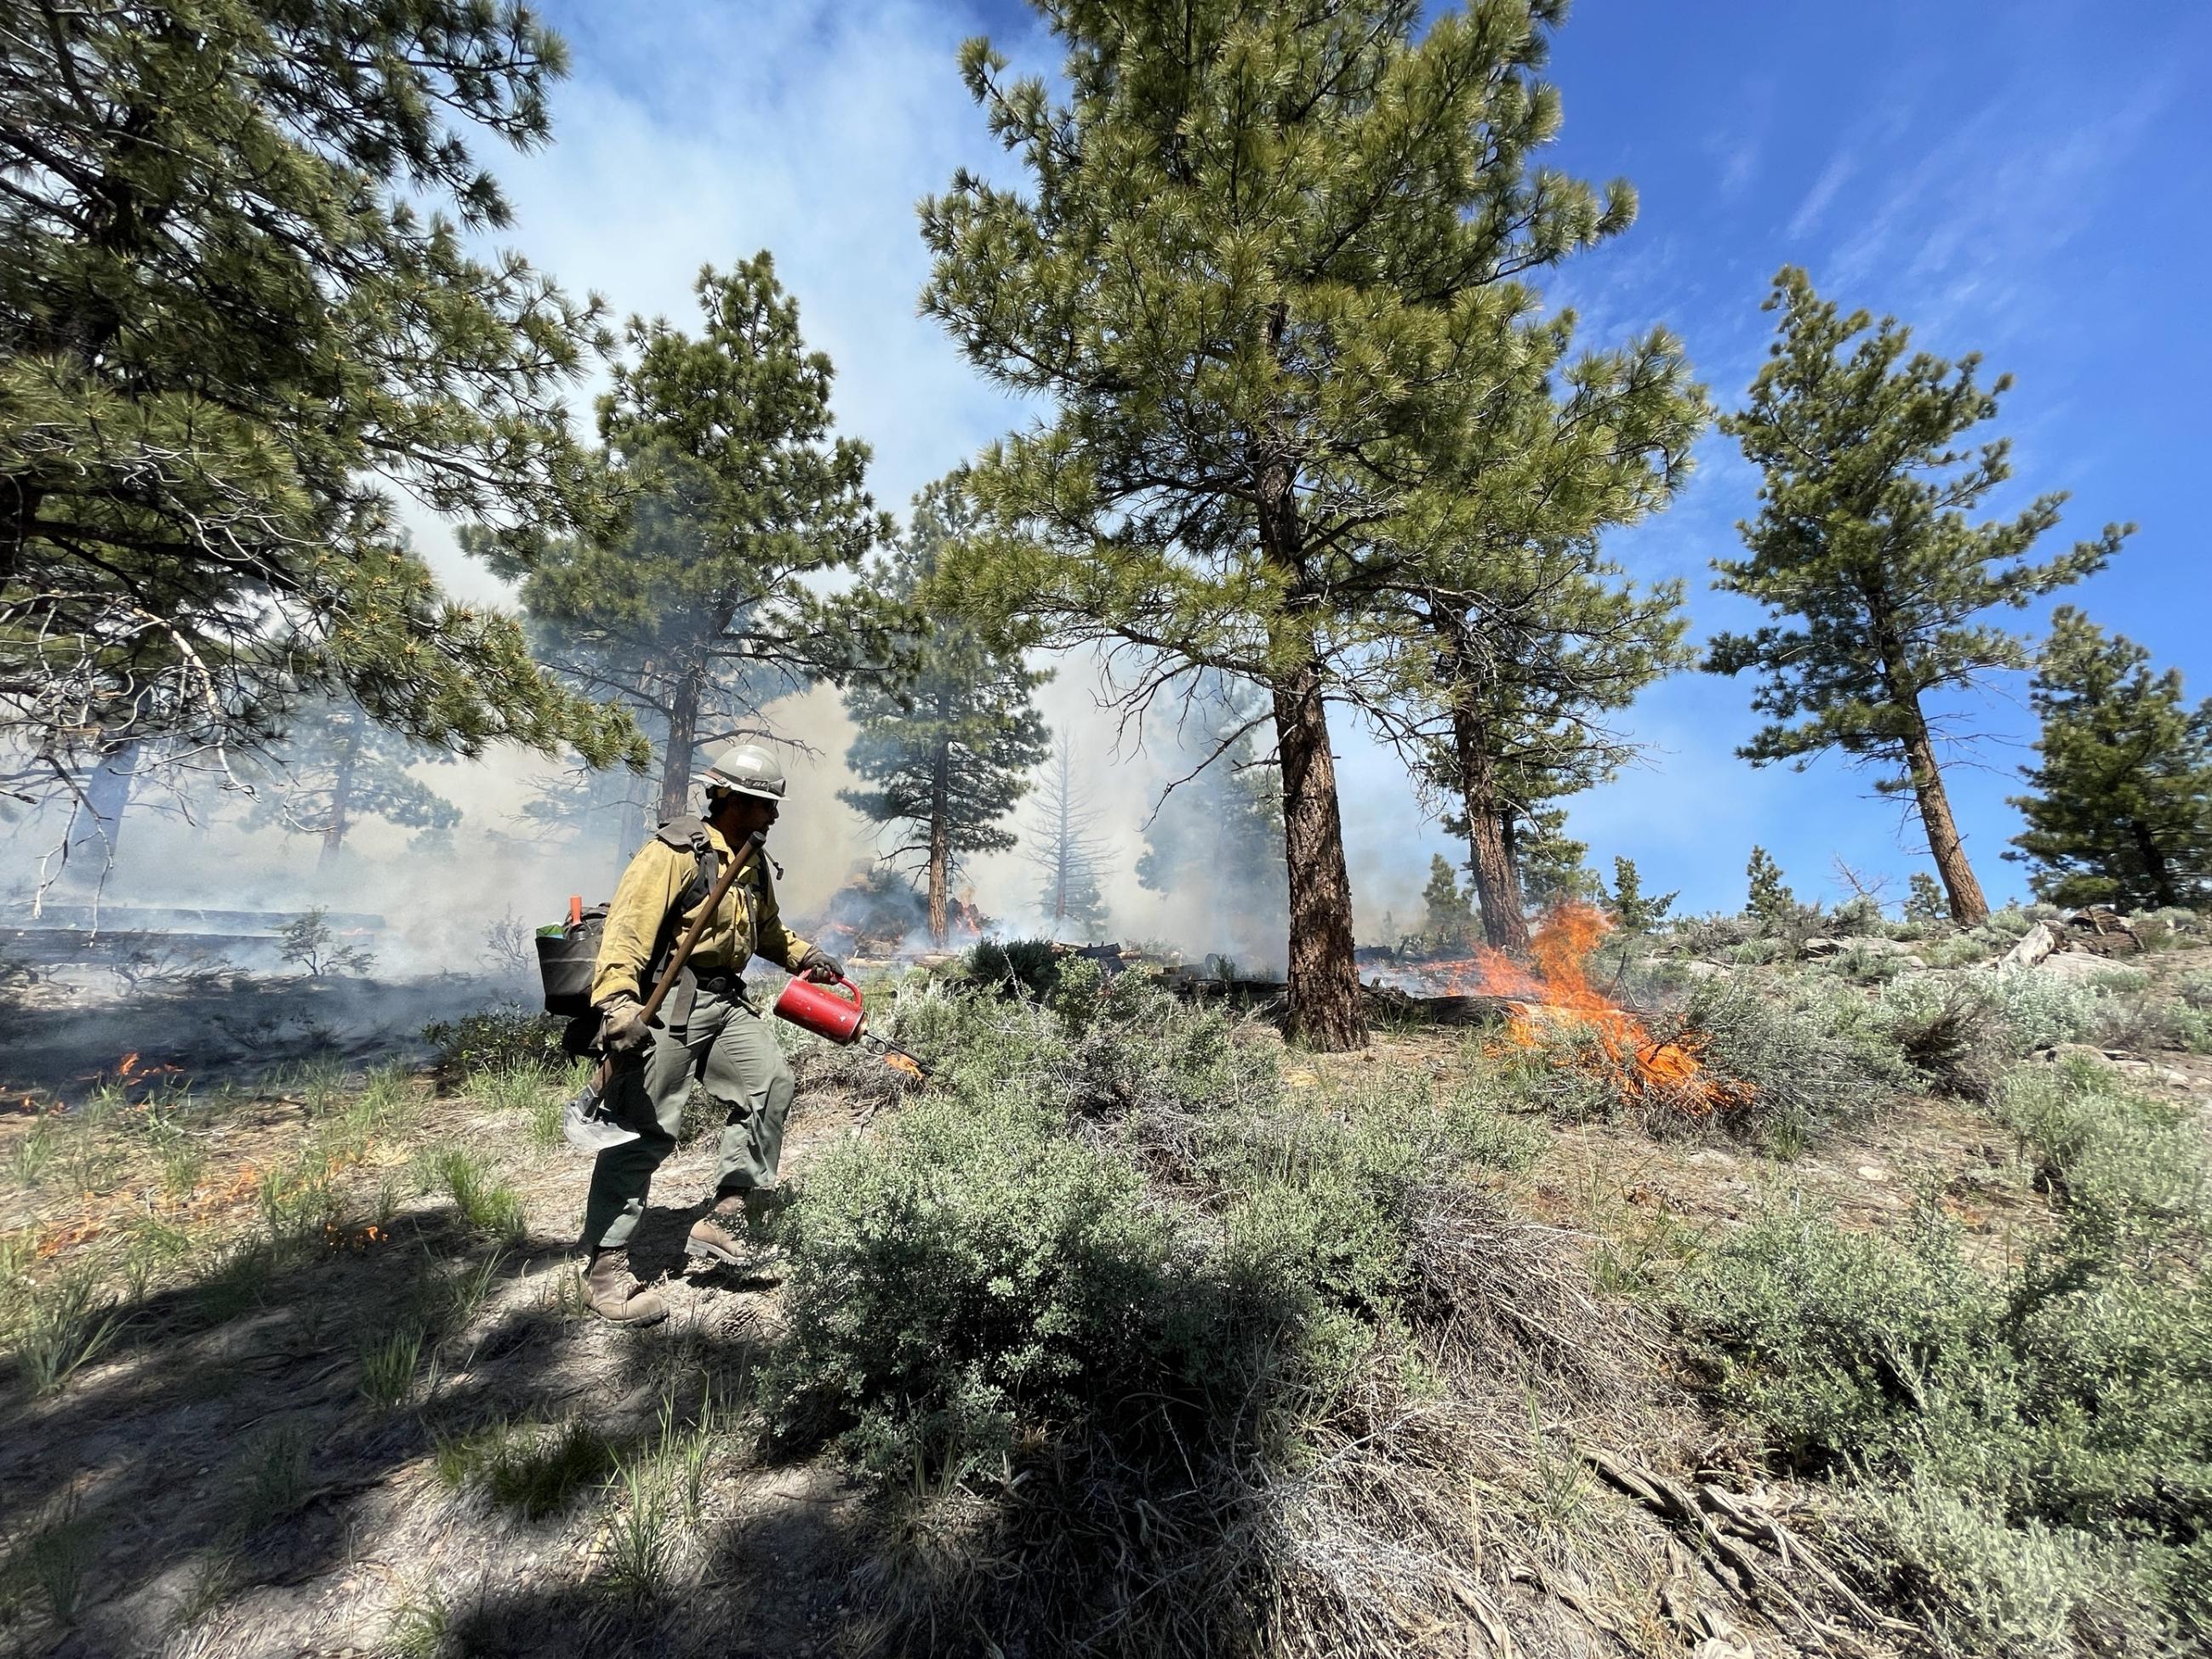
x=747 y=925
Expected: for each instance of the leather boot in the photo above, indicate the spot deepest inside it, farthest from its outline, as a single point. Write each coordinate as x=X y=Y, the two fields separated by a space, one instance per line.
x=612 y=1291
x=734 y=1235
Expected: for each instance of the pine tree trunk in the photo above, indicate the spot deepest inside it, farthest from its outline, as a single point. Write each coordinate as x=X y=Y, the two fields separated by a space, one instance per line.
x=334 y=833
x=1060 y=848
x=2156 y=868
x=676 y=761
x=1505 y=927
x=1326 y=1012
x=1968 y=907
x=1325 y=1008
x=940 y=843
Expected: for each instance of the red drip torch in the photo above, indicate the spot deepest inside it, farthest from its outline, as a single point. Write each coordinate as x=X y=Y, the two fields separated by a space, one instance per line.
x=819 y=1009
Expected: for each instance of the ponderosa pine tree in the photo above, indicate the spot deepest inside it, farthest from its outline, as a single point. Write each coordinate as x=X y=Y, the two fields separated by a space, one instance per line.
x=1265 y=268
x=1635 y=911
x=1066 y=851
x=1520 y=673
x=949 y=742
x=1863 y=547
x=1447 y=915
x=1552 y=866
x=236 y=317
x=338 y=767
x=2121 y=807
x=1770 y=903
x=703 y=603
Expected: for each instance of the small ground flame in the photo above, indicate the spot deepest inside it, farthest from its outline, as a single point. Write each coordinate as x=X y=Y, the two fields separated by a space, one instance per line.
x=1558 y=1012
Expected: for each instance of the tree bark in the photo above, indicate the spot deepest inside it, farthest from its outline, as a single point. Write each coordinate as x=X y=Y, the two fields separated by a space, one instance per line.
x=1968 y=907
x=2159 y=873
x=940 y=843
x=1505 y=927
x=683 y=741
x=1326 y=1012
x=334 y=833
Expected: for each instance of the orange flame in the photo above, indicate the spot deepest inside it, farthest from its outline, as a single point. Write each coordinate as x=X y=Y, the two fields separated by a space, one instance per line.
x=1558 y=1012
x=900 y=1062
x=125 y=1065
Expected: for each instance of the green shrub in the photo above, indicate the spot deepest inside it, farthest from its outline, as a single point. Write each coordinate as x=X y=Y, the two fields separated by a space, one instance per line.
x=504 y=1037
x=2042 y=1010
x=1105 y=1296
x=2025 y=1439
x=1017 y=967
x=1985 y=1582
x=1953 y=1033
x=1857 y=916
x=1133 y=1046
x=2116 y=1158
x=1811 y=1055
x=974 y=1259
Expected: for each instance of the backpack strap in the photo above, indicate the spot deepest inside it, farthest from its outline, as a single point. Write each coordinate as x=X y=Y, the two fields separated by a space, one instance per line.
x=684 y=833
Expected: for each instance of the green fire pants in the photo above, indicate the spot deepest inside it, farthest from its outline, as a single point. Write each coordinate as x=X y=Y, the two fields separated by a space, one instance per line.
x=730 y=1048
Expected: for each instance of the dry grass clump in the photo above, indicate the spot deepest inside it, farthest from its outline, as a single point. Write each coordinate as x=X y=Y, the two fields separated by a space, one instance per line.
x=1451 y=1473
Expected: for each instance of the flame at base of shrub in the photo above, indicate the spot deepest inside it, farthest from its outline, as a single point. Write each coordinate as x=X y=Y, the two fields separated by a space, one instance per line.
x=1559 y=1014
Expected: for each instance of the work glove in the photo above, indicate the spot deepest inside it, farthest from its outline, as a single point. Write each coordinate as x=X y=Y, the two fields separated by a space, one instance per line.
x=622 y=1030
x=818 y=965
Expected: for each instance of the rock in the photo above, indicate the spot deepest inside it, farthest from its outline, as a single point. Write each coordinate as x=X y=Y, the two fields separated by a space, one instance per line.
x=2039 y=942
x=1813 y=949
x=2077 y=966
x=1704 y=970
x=2144 y=1071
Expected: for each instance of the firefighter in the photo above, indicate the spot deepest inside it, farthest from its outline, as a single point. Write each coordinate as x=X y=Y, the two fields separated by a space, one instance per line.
x=708 y=1028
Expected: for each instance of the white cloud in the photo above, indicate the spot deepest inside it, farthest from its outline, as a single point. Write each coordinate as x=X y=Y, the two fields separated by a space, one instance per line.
x=685 y=137
x=1832 y=178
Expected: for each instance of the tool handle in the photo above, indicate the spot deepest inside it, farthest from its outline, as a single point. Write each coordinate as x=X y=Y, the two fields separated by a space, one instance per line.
x=684 y=946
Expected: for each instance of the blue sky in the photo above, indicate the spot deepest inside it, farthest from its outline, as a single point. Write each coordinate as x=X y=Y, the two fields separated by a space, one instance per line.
x=2024 y=180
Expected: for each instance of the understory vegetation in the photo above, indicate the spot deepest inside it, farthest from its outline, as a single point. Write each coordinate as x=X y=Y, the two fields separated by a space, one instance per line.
x=2022 y=1450
x=1136 y=1332
x=1209 y=1359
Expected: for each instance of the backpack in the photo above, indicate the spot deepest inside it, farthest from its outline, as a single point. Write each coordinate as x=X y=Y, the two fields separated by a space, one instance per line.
x=567 y=956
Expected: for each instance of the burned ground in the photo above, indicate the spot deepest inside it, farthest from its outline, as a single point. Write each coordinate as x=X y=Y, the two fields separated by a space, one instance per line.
x=1429 y=1332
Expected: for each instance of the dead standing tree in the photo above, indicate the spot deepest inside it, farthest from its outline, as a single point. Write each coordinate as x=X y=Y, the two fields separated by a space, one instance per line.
x=1066 y=850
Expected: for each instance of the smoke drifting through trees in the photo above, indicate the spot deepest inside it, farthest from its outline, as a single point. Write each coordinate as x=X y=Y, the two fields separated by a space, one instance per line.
x=217 y=370
x=1215 y=851
x=1067 y=852
x=701 y=603
x=948 y=733
x=1271 y=268
x=339 y=766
